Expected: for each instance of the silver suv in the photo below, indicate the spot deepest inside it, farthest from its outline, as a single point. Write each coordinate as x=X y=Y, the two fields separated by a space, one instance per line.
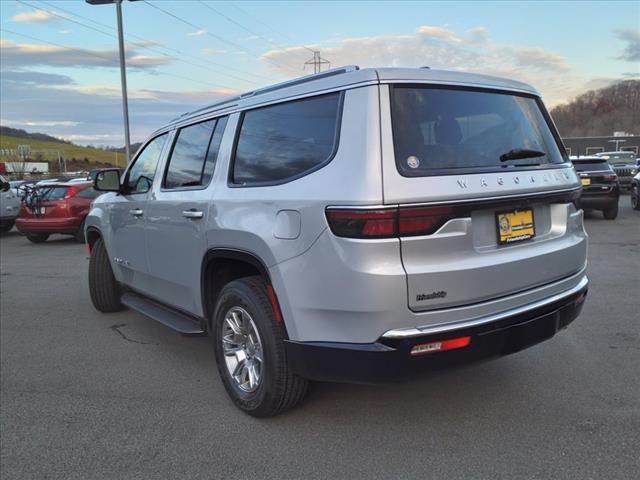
x=354 y=225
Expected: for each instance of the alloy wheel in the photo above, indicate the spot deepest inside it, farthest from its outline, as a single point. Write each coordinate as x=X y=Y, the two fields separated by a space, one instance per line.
x=242 y=349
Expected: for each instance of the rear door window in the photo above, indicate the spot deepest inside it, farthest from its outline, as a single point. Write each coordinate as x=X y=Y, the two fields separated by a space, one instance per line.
x=89 y=193
x=194 y=154
x=440 y=131
x=282 y=142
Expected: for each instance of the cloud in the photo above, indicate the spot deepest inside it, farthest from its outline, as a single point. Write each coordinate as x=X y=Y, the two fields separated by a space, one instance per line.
x=35 y=78
x=443 y=48
x=197 y=33
x=93 y=113
x=30 y=123
x=36 y=16
x=439 y=33
x=212 y=52
x=252 y=37
x=16 y=55
x=631 y=51
x=540 y=59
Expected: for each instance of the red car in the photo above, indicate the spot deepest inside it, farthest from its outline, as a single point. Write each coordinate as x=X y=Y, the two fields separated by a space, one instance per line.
x=56 y=208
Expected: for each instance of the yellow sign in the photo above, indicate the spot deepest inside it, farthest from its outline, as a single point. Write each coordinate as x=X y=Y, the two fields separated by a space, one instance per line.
x=515 y=226
x=585 y=181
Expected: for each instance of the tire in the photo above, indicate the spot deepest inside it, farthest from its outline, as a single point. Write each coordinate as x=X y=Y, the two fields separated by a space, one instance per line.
x=277 y=389
x=37 y=237
x=611 y=213
x=6 y=226
x=80 y=236
x=635 y=200
x=103 y=288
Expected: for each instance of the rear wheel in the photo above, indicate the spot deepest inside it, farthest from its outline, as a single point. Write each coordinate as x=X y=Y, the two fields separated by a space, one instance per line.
x=37 y=237
x=635 y=201
x=103 y=287
x=250 y=352
x=611 y=213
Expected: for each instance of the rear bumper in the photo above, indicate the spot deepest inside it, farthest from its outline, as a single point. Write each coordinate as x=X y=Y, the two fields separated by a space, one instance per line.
x=389 y=359
x=599 y=200
x=49 y=225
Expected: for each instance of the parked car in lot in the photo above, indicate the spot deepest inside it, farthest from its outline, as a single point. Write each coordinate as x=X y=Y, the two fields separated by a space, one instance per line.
x=600 y=186
x=624 y=164
x=9 y=205
x=635 y=192
x=56 y=208
x=355 y=225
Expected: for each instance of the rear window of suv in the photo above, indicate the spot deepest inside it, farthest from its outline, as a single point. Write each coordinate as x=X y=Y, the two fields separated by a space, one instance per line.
x=591 y=165
x=281 y=142
x=440 y=131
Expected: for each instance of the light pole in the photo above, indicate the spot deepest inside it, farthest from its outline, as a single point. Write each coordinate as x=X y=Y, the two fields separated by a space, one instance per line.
x=123 y=71
x=617 y=142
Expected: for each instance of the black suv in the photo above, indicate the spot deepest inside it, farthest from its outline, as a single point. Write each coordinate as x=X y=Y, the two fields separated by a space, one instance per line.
x=600 y=186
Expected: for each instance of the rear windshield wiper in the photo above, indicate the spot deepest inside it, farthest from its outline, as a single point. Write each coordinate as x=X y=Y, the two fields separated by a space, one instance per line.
x=518 y=153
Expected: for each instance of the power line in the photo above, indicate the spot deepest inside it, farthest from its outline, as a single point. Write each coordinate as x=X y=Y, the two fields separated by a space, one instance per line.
x=179 y=52
x=217 y=37
x=142 y=46
x=248 y=30
x=93 y=54
x=256 y=19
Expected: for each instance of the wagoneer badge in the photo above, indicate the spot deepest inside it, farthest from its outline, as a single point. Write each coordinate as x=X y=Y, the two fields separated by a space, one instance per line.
x=430 y=296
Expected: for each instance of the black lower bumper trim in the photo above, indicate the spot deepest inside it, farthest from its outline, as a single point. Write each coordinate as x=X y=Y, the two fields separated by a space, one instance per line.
x=389 y=360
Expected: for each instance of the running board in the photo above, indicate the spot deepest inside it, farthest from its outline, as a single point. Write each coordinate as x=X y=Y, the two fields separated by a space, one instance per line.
x=177 y=321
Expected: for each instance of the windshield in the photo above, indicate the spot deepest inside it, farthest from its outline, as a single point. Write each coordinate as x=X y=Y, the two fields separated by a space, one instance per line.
x=445 y=131
x=619 y=157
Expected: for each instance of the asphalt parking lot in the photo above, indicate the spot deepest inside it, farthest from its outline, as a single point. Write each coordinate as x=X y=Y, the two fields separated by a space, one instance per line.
x=88 y=396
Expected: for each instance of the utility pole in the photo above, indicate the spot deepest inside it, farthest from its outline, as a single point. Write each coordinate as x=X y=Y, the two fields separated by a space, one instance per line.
x=123 y=70
x=317 y=61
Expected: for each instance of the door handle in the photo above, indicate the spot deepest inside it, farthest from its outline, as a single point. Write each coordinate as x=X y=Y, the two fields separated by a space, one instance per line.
x=192 y=213
x=136 y=212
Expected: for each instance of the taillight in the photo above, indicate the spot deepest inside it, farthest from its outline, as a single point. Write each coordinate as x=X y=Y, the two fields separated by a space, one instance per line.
x=389 y=222
x=355 y=223
x=71 y=192
x=423 y=220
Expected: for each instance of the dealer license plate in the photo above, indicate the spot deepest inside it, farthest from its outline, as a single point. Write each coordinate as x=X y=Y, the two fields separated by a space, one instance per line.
x=515 y=226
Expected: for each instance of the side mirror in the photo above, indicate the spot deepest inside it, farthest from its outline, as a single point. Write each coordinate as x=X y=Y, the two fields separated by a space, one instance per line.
x=107 y=180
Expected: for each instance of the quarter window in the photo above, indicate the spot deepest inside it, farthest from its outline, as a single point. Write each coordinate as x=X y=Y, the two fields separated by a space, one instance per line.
x=143 y=170
x=194 y=154
x=284 y=141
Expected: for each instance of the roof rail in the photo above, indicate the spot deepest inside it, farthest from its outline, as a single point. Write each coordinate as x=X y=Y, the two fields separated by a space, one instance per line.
x=289 y=83
x=300 y=80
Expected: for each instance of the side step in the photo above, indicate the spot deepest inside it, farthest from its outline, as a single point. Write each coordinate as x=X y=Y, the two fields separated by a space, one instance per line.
x=177 y=321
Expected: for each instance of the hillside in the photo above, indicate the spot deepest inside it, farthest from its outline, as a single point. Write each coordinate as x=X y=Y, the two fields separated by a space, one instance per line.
x=16 y=132
x=47 y=151
x=601 y=112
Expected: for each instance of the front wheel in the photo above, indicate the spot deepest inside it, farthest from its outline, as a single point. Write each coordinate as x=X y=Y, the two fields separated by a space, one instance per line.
x=103 y=287
x=635 y=201
x=37 y=237
x=611 y=213
x=6 y=226
x=250 y=352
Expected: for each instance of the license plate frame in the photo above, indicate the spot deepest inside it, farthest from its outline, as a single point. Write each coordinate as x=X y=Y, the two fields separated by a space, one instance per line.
x=525 y=225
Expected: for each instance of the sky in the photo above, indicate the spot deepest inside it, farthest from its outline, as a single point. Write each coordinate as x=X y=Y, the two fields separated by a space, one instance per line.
x=59 y=71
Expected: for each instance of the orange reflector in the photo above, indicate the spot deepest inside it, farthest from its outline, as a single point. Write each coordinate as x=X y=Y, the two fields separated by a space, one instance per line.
x=580 y=299
x=440 y=346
